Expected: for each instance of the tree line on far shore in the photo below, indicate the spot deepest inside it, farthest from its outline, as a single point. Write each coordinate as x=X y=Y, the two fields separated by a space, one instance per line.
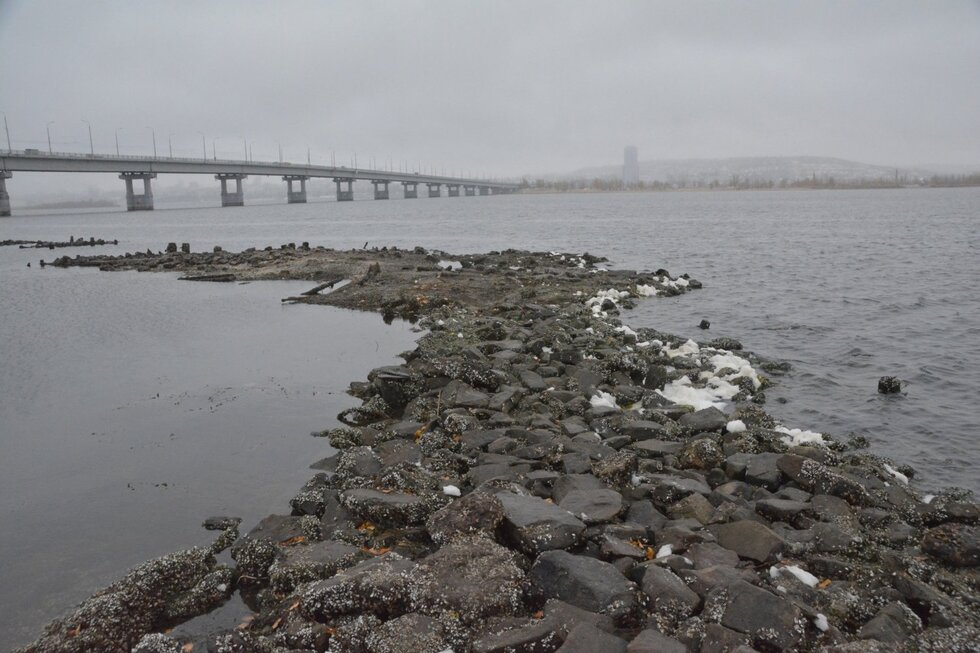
x=736 y=182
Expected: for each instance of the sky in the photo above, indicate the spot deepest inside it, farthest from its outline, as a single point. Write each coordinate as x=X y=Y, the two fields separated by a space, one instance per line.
x=502 y=88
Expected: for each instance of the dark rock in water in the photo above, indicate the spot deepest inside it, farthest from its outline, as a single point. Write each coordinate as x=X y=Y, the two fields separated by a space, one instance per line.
x=396 y=384
x=953 y=543
x=889 y=385
x=586 y=583
x=535 y=525
x=656 y=377
x=668 y=594
x=477 y=512
x=770 y=621
x=472 y=577
x=150 y=597
x=704 y=324
x=221 y=523
x=731 y=344
x=706 y=420
x=651 y=641
x=894 y=623
x=749 y=539
x=585 y=638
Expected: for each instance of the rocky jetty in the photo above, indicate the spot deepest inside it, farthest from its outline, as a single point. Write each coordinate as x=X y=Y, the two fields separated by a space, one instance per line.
x=57 y=244
x=538 y=476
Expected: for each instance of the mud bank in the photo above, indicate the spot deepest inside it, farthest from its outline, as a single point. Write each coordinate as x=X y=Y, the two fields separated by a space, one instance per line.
x=539 y=476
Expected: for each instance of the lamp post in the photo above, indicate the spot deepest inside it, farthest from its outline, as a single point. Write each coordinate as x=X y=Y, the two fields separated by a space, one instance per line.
x=91 y=146
x=170 y=144
x=7 y=129
x=154 y=134
x=47 y=128
x=118 y=129
x=214 y=147
x=245 y=147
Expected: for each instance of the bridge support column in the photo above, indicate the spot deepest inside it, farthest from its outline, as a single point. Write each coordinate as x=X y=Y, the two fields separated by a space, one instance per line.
x=453 y=190
x=411 y=189
x=435 y=190
x=295 y=196
x=235 y=197
x=484 y=190
x=470 y=191
x=344 y=195
x=380 y=188
x=135 y=202
x=4 y=197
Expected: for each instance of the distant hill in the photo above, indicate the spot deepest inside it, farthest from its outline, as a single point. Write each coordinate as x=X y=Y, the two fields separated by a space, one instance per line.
x=688 y=172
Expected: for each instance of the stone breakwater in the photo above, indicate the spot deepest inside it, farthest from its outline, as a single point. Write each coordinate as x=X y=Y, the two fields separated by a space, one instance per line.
x=539 y=476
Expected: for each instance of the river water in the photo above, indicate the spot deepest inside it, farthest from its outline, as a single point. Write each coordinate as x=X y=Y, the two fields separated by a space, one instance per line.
x=132 y=406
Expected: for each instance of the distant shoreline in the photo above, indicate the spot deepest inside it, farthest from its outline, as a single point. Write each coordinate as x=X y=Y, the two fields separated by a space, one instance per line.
x=74 y=204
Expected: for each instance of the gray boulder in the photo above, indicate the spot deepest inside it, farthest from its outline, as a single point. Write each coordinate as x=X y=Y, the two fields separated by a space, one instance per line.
x=534 y=525
x=584 y=582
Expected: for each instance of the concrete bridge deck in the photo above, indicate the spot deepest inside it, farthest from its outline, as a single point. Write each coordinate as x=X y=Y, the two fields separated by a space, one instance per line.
x=142 y=168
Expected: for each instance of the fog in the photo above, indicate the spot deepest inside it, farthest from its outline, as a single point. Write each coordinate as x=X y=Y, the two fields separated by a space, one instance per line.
x=496 y=88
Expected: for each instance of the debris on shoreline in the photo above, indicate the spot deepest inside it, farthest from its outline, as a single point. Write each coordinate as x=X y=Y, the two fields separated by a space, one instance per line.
x=539 y=476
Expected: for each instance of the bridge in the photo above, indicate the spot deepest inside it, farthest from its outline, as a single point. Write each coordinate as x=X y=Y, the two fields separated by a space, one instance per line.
x=135 y=169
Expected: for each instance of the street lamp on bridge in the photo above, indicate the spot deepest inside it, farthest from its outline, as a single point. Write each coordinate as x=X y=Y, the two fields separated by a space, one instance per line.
x=204 y=146
x=7 y=129
x=91 y=146
x=154 y=134
x=118 y=129
x=47 y=128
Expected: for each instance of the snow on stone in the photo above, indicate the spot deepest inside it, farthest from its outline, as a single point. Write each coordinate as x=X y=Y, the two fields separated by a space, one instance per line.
x=928 y=498
x=688 y=348
x=728 y=360
x=796 y=437
x=547 y=350
x=801 y=574
x=451 y=491
x=644 y=290
x=665 y=551
x=735 y=426
x=625 y=330
x=897 y=474
x=603 y=399
x=715 y=394
x=820 y=621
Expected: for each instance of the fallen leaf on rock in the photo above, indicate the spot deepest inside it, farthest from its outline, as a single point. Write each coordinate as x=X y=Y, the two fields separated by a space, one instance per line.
x=823 y=584
x=187 y=648
x=299 y=539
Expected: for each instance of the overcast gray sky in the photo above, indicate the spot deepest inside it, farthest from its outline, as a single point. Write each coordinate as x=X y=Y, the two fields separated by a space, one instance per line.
x=502 y=88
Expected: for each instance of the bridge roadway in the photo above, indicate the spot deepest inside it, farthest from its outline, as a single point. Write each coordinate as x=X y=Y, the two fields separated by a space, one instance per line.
x=138 y=168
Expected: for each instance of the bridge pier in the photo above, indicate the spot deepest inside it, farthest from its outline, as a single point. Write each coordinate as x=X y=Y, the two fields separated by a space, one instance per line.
x=4 y=197
x=136 y=202
x=411 y=189
x=235 y=197
x=380 y=188
x=295 y=196
x=344 y=195
x=484 y=190
x=453 y=190
x=435 y=190
x=470 y=191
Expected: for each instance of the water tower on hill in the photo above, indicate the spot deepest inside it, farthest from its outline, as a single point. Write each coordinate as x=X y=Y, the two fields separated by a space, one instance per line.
x=631 y=167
